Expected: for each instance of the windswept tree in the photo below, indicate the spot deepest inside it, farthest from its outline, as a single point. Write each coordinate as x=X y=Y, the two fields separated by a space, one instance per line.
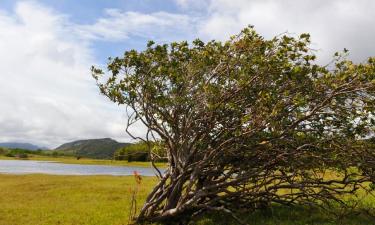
x=247 y=122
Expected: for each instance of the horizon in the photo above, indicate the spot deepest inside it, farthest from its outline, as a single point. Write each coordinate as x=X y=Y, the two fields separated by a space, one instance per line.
x=67 y=142
x=48 y=96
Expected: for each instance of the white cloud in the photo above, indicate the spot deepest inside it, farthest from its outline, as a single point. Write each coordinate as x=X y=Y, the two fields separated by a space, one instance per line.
x=46 y=92
x=333 y=25
x=193 y=4
x=118 y=25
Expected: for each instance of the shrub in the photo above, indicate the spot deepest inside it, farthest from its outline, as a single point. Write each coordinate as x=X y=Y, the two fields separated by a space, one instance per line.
x=140 y=151
x=246 y=122
x=22 y=156
x=9 y=154
x=3 y=151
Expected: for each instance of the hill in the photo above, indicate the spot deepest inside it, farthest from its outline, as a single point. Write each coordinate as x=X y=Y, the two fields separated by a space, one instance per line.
x=18 y=145
x=92 y=148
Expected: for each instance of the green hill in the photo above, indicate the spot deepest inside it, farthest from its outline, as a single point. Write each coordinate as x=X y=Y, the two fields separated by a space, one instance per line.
x=93 y=148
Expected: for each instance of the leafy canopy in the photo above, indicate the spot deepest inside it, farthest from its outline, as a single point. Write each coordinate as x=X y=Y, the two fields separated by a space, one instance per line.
x=242 y=120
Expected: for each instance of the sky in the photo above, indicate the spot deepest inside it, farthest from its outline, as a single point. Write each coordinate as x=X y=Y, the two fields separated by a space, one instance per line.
x=47 y=94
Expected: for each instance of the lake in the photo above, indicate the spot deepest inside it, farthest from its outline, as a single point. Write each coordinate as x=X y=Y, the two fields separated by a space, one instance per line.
x=46 y=167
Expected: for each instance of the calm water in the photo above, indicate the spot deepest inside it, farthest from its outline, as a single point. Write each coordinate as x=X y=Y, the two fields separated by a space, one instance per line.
x=32 y=166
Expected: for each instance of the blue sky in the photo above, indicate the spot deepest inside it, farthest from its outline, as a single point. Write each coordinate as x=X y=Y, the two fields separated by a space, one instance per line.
x=88 y=11
x=47 y=47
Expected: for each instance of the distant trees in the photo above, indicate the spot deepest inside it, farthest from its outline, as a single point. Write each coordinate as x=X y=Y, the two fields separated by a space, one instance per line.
x=24 y=153
x=6 y=152
x=247 y=122
x=133 y=152
x=2 y=151
x=22 y=156
x=19 y=153
x=16 y=152
x=140 y=151
x=55 y=154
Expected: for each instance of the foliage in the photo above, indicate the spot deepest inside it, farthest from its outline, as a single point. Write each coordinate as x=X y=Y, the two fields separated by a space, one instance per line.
x=133 y=152
x=19 y=153
x=13 y=152
x=22 y=152
x=3 y=151
x=140 y=151
x=9 y=154
x=247 y=122
x=22 y=156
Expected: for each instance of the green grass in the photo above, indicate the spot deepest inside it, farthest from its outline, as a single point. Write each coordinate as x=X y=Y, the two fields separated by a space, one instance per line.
x=105 y=200
x=51 y=200
x=295 y=215
x=73 y=160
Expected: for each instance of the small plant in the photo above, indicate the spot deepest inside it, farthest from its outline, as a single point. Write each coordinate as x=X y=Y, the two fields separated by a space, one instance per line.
x=134 y=192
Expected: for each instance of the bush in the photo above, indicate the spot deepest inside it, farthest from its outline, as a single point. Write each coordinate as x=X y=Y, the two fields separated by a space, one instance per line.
x=140 y=152
x=22 y=156
x=135 y=152
x=3 y=151
x=9 y=154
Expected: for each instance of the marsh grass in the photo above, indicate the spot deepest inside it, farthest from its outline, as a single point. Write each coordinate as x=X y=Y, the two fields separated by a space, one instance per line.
x=50 y=200
x=106 y=200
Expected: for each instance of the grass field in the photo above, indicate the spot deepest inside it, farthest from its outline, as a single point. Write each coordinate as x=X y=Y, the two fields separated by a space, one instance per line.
x=105 y=200
x=73 y=160
x=51 y=200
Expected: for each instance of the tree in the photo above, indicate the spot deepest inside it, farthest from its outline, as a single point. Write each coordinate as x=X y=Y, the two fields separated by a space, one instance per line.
x=3 y=151
x=247 y=122
x=134 y=152
x=140 y=151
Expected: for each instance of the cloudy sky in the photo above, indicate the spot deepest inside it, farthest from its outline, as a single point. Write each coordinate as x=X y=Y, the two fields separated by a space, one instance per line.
x=47 y=95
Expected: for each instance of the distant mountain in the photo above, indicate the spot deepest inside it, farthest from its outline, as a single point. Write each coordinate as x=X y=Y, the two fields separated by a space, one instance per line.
x=26 y=146
x=92 y=148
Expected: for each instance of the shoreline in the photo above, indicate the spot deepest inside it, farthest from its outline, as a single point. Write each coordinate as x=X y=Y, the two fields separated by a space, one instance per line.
x=87 y=161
